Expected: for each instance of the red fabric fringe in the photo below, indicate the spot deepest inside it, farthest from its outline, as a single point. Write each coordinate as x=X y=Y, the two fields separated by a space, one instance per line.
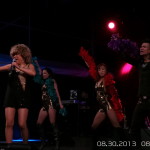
x=114 y=100
x=89 y=62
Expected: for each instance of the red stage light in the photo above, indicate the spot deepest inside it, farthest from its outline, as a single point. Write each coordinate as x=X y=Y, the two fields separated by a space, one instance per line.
x=111 y=25
x=126 y=68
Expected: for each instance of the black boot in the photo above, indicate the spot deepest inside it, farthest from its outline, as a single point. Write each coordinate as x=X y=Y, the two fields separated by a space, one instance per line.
x=42 y=136
x=56 y=136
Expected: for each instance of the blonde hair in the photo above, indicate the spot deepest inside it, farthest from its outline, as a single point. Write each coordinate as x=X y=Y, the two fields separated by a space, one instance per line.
x=22 y=50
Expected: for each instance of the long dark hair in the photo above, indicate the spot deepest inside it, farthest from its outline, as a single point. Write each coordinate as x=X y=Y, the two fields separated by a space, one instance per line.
x=50 y=72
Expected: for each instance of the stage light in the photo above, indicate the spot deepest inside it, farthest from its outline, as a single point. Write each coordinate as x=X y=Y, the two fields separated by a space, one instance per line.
x=126 y=68
x=30 y=140
x=111 y=25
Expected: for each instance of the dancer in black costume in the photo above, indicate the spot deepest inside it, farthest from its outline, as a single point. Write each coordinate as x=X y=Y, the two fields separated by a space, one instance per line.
x=50 y=98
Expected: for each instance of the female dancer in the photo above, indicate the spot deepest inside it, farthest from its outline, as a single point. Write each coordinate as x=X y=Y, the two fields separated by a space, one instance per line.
x=106 y=93
x=50 y=98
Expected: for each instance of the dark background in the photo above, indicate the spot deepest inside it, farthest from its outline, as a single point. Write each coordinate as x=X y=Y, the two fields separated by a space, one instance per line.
x=55 y=31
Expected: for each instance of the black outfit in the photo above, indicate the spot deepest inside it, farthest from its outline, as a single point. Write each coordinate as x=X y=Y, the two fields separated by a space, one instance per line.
x=49 y=95
x=47 y=102
x=128 y=51
x=15 y=96
x=102 y=98
x=142 y=108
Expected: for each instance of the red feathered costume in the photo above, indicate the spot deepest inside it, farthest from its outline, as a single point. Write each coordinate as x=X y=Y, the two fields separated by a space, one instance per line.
x=109 y=83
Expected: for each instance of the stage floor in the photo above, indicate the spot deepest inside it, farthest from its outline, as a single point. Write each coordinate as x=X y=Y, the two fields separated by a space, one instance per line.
x=78 y=143
x=73 y=143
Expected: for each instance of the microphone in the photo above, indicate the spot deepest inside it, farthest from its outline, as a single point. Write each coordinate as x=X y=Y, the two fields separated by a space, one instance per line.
x=13 y=67
x=14 y=60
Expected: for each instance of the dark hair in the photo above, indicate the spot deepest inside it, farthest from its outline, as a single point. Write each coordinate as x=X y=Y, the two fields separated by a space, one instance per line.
x=50 y=72
x=102 y=64
x=146 y=40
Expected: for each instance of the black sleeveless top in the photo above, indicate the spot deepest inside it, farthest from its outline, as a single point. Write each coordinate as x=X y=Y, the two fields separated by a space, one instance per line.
x=16 y=96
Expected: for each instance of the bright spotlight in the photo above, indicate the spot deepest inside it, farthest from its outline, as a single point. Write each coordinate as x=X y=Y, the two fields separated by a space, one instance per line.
x=111 y=25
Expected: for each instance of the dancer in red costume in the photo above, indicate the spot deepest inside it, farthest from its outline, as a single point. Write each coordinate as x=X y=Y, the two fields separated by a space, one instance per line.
x=106 y=94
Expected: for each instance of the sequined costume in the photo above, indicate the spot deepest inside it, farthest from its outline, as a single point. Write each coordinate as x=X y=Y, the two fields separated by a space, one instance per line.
x=110 y=98
x=102 y=98
x=47 y=102
x=18 y=94
x=107 y=96
x=49 y=96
